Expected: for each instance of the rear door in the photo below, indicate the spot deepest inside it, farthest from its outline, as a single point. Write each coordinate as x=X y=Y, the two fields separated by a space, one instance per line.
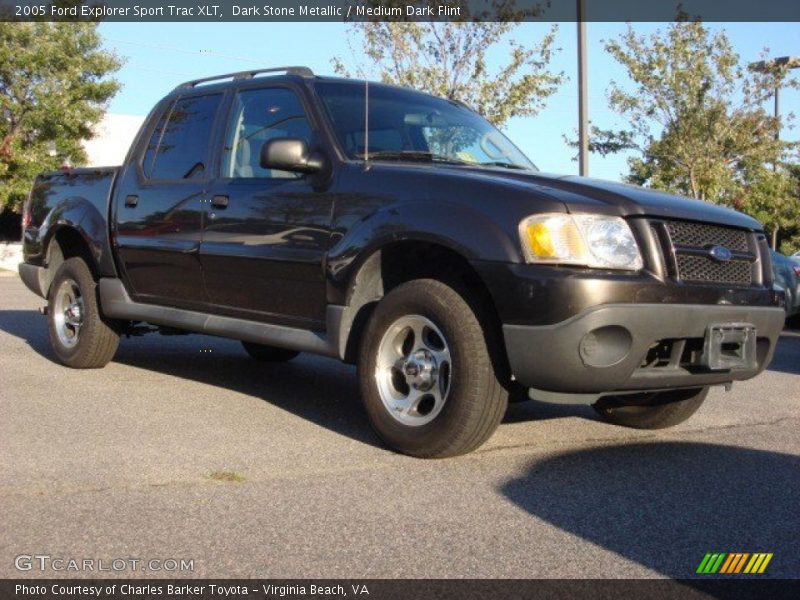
x=266 y=232
x=160 y=200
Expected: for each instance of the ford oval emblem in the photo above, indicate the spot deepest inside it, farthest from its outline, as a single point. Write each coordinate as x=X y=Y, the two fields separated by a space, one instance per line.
x=720 y=253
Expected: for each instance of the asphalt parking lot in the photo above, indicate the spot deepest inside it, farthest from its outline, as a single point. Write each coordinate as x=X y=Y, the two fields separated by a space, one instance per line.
x=118 y=463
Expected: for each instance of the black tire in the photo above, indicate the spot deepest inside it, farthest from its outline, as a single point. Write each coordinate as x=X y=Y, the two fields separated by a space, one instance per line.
x=652 y=410
x=95 y=341
x=475 y=400
x=269 y=353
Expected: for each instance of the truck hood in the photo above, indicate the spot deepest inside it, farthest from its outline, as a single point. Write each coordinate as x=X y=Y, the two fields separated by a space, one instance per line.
x=585 y=194
x=634 y=200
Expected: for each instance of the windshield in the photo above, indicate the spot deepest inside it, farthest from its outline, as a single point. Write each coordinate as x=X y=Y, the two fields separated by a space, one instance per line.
x=408 y=125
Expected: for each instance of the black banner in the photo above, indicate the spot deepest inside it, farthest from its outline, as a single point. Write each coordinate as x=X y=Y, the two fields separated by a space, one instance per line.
x=384 y=589
x=399 y=10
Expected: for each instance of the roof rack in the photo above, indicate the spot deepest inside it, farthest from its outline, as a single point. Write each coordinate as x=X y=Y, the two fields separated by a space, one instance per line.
x=239 y=75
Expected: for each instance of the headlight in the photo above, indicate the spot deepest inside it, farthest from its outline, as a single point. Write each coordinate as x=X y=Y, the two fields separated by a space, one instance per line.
x=589 y=240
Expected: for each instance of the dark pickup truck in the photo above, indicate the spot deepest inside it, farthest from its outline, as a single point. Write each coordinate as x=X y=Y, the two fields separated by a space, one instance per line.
x=403 y=233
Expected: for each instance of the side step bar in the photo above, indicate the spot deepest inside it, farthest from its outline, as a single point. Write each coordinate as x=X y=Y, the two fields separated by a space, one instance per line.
x=117 y=304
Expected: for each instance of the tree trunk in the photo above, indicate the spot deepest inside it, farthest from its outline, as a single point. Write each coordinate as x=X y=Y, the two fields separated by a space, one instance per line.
x=5 y=146
x=775 y=238
x=693 y=184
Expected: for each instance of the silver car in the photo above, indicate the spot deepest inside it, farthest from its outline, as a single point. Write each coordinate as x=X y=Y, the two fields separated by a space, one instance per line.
x=786 y=271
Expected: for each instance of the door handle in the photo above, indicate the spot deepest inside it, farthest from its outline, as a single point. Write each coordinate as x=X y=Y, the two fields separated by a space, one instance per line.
x=219 y=201
x=131 y=201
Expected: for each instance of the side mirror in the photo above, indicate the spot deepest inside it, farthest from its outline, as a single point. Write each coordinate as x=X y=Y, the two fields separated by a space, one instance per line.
x=289 y=154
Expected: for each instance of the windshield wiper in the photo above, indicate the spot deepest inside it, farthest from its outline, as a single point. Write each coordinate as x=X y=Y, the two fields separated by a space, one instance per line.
x=499 y=163
x=430 y=156
x=413 y=155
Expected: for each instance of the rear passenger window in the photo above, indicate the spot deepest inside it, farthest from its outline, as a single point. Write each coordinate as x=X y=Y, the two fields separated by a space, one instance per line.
x=258 y=116
x=179 y=146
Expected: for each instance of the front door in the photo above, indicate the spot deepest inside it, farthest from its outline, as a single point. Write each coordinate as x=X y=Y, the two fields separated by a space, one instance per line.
x=266 y=232
x=159 y=205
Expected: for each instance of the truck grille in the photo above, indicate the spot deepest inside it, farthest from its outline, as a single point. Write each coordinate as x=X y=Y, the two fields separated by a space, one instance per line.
x=704 y=269
x=687 y=246
x=700 y=235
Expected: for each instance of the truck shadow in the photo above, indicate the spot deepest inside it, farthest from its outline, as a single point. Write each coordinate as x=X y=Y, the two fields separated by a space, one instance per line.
x=664 y=505
x=30 y=326
x=524 y=412
x=322 y=391
x=787 y=355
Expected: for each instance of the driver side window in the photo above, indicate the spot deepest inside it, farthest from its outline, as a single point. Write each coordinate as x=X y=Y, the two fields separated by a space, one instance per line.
x=258 y=116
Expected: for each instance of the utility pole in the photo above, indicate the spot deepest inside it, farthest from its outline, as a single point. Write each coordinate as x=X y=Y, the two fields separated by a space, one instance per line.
x=583 y=110
x=777 y=111
x=769 y=66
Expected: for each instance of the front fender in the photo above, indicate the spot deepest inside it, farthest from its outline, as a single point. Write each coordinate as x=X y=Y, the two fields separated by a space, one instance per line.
x=454 y=226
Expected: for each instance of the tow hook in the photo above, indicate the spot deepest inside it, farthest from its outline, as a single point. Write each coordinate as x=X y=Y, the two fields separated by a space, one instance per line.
x=43 y=310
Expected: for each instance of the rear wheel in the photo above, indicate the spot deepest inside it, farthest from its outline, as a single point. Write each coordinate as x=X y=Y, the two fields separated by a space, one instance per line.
x=427 y=377
x=651 y=410
x=79 y=335
x=269 y=353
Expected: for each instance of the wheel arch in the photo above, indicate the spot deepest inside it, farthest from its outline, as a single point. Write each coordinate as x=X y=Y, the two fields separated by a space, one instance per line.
x=75 y=228
x=396 y=262
x=66 y=241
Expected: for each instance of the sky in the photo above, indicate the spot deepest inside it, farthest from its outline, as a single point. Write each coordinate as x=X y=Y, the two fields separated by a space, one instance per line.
x=158 y=56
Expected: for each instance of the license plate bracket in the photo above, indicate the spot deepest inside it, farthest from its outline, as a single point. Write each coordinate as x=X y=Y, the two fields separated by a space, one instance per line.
x=730 y=346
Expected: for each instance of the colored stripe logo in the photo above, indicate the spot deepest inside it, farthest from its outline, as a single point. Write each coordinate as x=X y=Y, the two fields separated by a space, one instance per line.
x=734 y=563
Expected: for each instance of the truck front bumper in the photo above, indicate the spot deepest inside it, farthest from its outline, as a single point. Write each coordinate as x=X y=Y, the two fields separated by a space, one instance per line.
x=631 y=347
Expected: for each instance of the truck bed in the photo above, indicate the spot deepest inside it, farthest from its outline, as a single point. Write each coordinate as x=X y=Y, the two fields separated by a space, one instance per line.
x=79 y=198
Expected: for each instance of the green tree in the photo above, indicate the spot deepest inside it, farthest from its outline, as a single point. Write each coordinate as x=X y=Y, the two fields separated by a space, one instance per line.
x=54 y=87
x=774 y=197
x=450 y=60
x=770 y=196
x=695 y=116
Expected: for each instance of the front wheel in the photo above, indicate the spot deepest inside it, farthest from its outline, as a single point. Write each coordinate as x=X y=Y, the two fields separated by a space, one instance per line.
x=427 y=374
x=651 y=410
x=79 y=335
